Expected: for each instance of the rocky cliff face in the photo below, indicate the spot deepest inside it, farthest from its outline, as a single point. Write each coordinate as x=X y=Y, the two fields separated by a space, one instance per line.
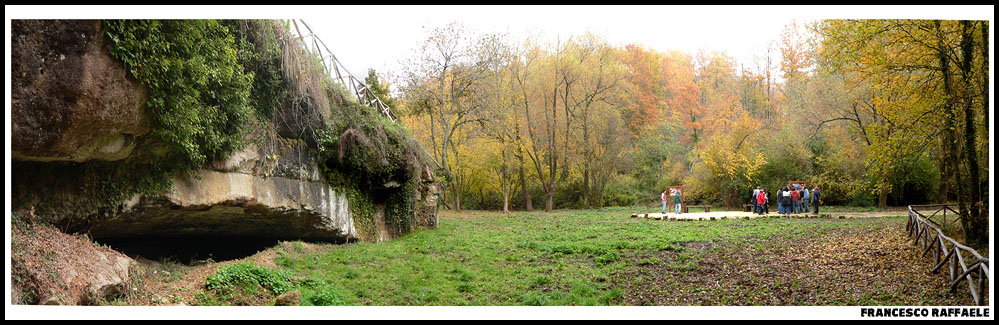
x=73 y=104
x=54 y=268
x=69 y=99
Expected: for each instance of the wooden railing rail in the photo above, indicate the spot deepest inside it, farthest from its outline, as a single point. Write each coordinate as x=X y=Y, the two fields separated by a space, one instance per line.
x=948 y=252
x=336 y=70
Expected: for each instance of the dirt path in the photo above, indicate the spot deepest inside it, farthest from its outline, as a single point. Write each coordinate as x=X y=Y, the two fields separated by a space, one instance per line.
x=867 y=265
x=178 y=284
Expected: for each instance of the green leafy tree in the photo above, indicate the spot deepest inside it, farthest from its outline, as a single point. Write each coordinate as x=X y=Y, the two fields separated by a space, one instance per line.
x=381 y=90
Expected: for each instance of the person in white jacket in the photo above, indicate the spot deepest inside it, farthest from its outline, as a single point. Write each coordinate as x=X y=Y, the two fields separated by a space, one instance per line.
x=753 y=199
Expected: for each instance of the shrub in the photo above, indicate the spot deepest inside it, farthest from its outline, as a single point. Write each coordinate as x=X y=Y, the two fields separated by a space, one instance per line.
x=327 y=296
x=247 y=276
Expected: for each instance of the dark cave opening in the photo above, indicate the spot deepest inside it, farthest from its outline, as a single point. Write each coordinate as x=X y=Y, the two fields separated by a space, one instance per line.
x=191 y=250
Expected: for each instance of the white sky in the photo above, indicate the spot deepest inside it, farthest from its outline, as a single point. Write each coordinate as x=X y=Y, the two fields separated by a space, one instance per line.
x=380 y=37
x=743 y=32
x=661 y=28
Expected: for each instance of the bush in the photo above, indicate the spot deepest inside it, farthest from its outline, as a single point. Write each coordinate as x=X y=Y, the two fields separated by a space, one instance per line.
x=327 y=296
x=247 y=276
x=625 y=190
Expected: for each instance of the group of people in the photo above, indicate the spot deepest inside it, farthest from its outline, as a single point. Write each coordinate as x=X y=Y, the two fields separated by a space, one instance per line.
x=792 y=199
x=674 y=197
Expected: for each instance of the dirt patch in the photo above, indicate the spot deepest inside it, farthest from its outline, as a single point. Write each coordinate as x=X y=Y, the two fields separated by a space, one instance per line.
x=171 y=283
x=52 y=267
x=845 y=266
x=698 y=245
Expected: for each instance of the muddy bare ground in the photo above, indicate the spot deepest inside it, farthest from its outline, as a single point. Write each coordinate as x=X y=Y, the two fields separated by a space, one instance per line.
x=869 y=265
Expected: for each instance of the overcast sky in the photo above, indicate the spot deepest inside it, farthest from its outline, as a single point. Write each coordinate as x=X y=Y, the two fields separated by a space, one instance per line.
x=661 y=28
x=380 y=37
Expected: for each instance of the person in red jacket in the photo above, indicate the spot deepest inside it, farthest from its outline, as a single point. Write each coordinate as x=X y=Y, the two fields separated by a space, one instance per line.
x=795 y=204
x=761 y=201
x=665 y=198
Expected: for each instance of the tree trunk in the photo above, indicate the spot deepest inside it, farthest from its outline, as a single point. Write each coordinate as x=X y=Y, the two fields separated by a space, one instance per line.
x=985 y=76
x=943 y=188
x=951 y=128
x=506 y=198
x=549 y=194
x=457 y=195
x=523 y=187
x=882 y=198
x=505 y=180
x=586 y=187
x=506 y=190
x=978 y=233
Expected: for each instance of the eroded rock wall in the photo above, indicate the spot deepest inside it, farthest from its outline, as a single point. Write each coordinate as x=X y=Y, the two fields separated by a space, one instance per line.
x=73 y=104
x=267 y=190
x=69 y=99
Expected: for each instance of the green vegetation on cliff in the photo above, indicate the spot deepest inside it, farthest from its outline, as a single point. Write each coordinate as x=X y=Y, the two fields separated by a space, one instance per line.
x=199 y=92
x=215 y=86
x=206 y=77
x=209 y=82
x=375 y=161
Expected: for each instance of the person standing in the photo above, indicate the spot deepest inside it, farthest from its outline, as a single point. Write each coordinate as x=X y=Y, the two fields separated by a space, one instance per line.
x=756 y=206
x=795 y=198
x=780 y=200
x=677 y=200
x=804 y=199
x=665 y=198
x=761 y=199
x=786 y=198
x=815 y=199
x=766 y=202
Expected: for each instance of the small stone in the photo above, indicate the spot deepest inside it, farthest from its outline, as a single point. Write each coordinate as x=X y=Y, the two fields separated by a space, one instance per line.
x=290 y=298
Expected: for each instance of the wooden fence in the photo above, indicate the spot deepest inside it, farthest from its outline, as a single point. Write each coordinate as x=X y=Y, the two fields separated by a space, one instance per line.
x=948 y=252
x=339 y=73
x=312 y=43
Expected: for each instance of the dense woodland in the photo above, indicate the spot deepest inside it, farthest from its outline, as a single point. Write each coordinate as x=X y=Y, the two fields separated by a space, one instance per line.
x=873 y=112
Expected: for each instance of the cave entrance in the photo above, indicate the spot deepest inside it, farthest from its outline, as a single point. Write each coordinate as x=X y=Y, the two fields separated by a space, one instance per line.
x=190 y=250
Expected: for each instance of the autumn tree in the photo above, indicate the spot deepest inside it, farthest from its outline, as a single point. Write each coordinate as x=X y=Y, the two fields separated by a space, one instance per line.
x=548 y=117
x=796 y=54
x=381 y=90
x=644 y=95
x=438 y=85
x=590 y=98
x=500 y=123
x=922 y=83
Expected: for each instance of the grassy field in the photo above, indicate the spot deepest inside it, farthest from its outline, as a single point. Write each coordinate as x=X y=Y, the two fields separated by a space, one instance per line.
x=596 y=257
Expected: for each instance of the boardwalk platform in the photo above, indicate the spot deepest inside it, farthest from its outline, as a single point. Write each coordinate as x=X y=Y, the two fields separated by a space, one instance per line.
x=723 y=215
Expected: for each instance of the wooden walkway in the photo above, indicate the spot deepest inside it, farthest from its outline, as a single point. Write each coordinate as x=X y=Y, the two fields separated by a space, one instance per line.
x=722 y=215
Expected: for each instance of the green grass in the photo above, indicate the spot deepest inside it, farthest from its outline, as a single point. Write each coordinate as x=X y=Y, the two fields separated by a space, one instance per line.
x=562 y=258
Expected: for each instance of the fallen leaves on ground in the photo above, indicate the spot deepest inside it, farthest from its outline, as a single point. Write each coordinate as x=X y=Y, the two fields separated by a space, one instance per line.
x=864 y=265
